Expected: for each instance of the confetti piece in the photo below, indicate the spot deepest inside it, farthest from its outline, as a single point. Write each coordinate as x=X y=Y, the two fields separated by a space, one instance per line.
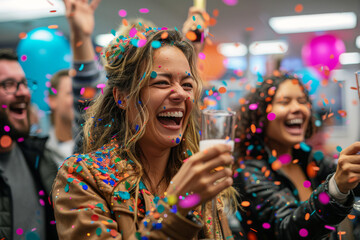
x=23 y=58
x=190 y=201
x=153 y=74
x=285 y=158
x=122 y=13
x=125 y=22
x=230 y=2
x=222 y=90
x=156 y=44
x=19 y=231
x=7 y=128
x=324 y=198
x=245 y=203
x=276 y=165
x=249 y=29
x=303 y=232
x=144 y=10
x=330 y=227
x=299 y=8
x=271 y=116
x=53 y=26
x=202 y=56
x=266 y=225
x=141 y=43
x=191 y=36
x=253 y=106
x=338 y=148
x=132 y=32
x=307 y=216
x=81 y=67
x=305 y=147
x=307 y=184
x=351 y=217
x=253 y=128
x=98 y=231
x=5 y=141
x=22 y=35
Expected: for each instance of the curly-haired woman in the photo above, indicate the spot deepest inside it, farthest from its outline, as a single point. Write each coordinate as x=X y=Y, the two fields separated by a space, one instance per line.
x=290 y=192
x=133 y=181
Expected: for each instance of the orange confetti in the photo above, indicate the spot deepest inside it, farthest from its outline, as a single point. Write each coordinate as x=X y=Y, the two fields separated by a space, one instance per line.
x=242 y=101
x=70 y=170
x=295 y=161
x=216 y=12
x=253 y=128
x=331 y=56
x=222 y=90
x=276 y=165
x=307 y=216
x=89 y=92
x=79 y=43
x=353 y=179
x=53 y=26
x=299 y=8
x=164 y=35
x=212 y=22
x=125 y=22
x=310 y=170
x=22 y=35
x=267 y=173
x=219 y=168
x=245 y=203
x=277 y=183
x=191 y=36
x=274 y=153
x=5 y=141
x=249 y=29
x=351 y=217
x=98 y=49
x=342 y=113
x=269 y=108
x=52 y=11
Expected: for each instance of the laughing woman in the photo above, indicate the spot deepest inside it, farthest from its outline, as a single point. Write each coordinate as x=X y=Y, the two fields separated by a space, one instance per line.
x=133 y=182
x=292 y=191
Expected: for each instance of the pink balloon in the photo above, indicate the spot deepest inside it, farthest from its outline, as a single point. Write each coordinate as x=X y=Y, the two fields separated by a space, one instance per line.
x=323 y=53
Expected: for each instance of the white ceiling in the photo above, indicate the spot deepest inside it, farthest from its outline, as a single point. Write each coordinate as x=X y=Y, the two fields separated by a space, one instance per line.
x=231 y=22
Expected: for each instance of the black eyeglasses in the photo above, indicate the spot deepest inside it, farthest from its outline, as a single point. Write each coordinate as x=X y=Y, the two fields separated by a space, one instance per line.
x=11 y=86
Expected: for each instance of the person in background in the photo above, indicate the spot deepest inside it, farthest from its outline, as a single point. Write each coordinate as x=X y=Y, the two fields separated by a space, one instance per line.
x=26 y=173
x=290 y=191
x=142 y=175
x=87 y=77
x=60 y=142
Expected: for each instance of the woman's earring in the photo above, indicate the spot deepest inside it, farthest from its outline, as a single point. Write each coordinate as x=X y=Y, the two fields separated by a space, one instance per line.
x=121 y=104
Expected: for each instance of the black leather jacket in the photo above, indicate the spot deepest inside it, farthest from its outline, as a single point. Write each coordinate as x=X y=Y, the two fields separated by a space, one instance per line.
x=275 y=211
x=44 y=171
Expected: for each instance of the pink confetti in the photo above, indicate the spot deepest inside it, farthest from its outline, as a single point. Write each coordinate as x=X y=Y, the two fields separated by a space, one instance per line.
x=285 y=158
x=271 y=116
x=190 y=201
x=307 y=184
x=330 y=227
x=42 y=202
x=41 y=193
x=19 y=231
x=54 y=90
x=4 y=106
x=132 y=32
x=230 y=2
x=20 y=139
x=82 y=90
x=303 y=232
x=141 y=42
x=101 y=85
x=23 y=58
x=324 y=198
x=253 y=106
x=122 y=13
x=144 y=10
x=202 y=55
x=266 y=225
x=7 y=128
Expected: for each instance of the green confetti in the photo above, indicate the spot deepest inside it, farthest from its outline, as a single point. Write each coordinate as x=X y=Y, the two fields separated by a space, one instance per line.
x=98 y=231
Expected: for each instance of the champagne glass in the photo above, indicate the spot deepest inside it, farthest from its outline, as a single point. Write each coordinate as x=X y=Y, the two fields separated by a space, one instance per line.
x=357 y=77
x=217 y=127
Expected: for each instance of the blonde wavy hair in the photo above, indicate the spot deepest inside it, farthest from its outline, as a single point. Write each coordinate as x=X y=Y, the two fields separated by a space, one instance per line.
x=129 y=68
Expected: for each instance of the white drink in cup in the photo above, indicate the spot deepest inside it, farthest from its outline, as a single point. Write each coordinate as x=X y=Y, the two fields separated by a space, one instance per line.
x=208 y=143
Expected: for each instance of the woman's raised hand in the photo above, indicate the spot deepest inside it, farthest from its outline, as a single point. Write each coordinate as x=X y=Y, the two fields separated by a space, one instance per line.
x=196 y=175
x=347 y=175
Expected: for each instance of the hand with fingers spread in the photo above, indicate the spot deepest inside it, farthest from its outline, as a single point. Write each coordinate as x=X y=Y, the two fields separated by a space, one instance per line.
x=196 y=176
x=347 y=175
x=80 y=14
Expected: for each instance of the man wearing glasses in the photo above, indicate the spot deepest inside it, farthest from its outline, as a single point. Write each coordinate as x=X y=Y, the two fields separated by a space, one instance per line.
x=26 y=175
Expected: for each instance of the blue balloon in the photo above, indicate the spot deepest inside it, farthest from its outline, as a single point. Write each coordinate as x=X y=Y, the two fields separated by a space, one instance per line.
x=42 y=53
x=308 y=74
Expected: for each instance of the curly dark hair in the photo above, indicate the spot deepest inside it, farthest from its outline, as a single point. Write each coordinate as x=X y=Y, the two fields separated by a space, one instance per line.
x=252 y=141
